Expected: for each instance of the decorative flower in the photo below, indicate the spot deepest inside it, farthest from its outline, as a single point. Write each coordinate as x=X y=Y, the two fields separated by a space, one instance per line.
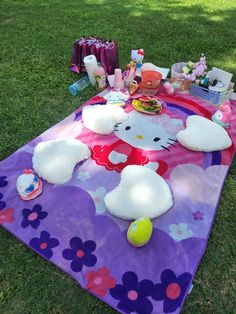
x=2 y=203
x=33 y=217
x=190 y=64
x=83 y=176
x=98 y=197
x=185 y=69
x=193 y=71
x=3 y=181
x=190 y=77
x=44 y=244
x=80 y=254
x=201 y=66
x=171 y=290
x=6 y=216
x=133 y=294
x=100 y=281
x=198 y=215
x=180 y=232
x=199 y=71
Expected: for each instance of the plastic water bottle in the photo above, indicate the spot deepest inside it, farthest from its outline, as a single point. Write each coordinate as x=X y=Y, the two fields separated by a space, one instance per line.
x=79 y=85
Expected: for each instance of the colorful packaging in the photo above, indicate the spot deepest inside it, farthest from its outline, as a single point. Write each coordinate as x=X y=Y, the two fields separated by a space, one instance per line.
x=79 y=85
x=106 y=53
x=100 y=77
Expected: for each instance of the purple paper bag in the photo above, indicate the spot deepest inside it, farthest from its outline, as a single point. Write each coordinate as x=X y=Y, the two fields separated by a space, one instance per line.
x=105 y=51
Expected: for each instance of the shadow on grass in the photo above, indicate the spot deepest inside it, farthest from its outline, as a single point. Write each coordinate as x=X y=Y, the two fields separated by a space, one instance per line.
x=36 y=41
x=169 y=31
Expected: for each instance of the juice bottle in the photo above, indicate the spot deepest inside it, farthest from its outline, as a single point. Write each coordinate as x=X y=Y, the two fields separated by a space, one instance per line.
x=100 y=77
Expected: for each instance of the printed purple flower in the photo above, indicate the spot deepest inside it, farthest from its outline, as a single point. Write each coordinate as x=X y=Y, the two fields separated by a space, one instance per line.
x=133 y=294
x=80 y=254
x=44 y=244
x=2 y=203
x=171 y=290
x=32 y=217
x=198 y=215
x=3 y=181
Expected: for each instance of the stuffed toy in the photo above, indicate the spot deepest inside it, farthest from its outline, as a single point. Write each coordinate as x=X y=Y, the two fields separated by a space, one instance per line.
x=223 y=114
x=28 y=185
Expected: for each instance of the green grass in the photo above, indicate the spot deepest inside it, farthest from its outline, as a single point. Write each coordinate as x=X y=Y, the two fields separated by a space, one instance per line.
x=35 y=46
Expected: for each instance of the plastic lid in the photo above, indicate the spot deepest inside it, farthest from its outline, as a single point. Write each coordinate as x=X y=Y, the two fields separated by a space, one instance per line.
x=151 y=75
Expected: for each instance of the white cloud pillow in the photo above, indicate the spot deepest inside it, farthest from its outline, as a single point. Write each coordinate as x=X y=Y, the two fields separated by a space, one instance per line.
x=141 y=192
x=55 y=160
x=101 y=119
x=203 y=135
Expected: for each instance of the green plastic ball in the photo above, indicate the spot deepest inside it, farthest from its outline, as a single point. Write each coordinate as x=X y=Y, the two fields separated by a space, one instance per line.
x=139 y=232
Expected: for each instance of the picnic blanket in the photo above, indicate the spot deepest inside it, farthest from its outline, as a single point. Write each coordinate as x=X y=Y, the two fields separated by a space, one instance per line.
x=70 y=226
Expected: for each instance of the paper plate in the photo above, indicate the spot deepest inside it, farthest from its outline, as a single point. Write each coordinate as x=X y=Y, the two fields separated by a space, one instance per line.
x=137 y=105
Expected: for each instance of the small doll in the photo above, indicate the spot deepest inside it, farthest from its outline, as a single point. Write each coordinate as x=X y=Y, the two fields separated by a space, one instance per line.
x=136 y=60
x=137 y=57
x=223 y=114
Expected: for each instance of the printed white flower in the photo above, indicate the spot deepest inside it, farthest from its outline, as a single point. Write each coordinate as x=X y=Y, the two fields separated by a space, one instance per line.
x=83 y=176
x=172 y=126
x=98 y=197
x=180 y=232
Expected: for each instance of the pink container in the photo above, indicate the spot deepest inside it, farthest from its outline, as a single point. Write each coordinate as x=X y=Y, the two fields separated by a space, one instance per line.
x=150 y=82
x=118 y=81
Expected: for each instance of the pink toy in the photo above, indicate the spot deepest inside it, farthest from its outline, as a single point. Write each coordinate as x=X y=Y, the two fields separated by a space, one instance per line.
x=130 y=76
x=223 y=114
x=29 y=185
x=118 y=81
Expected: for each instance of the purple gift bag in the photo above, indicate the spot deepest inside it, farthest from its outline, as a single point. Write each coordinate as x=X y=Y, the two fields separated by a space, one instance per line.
x=105 y=51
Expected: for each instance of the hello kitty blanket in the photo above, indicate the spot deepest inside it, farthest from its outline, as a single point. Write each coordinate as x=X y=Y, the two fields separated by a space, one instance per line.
x=70 y=226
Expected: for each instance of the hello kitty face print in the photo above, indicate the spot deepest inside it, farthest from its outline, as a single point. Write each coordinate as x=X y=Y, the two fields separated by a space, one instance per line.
x=136 y=138
x=149 y=132
x=146 y=140
x=137 y=55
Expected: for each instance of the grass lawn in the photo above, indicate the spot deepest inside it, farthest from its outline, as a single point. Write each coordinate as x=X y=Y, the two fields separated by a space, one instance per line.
x=35 y=44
